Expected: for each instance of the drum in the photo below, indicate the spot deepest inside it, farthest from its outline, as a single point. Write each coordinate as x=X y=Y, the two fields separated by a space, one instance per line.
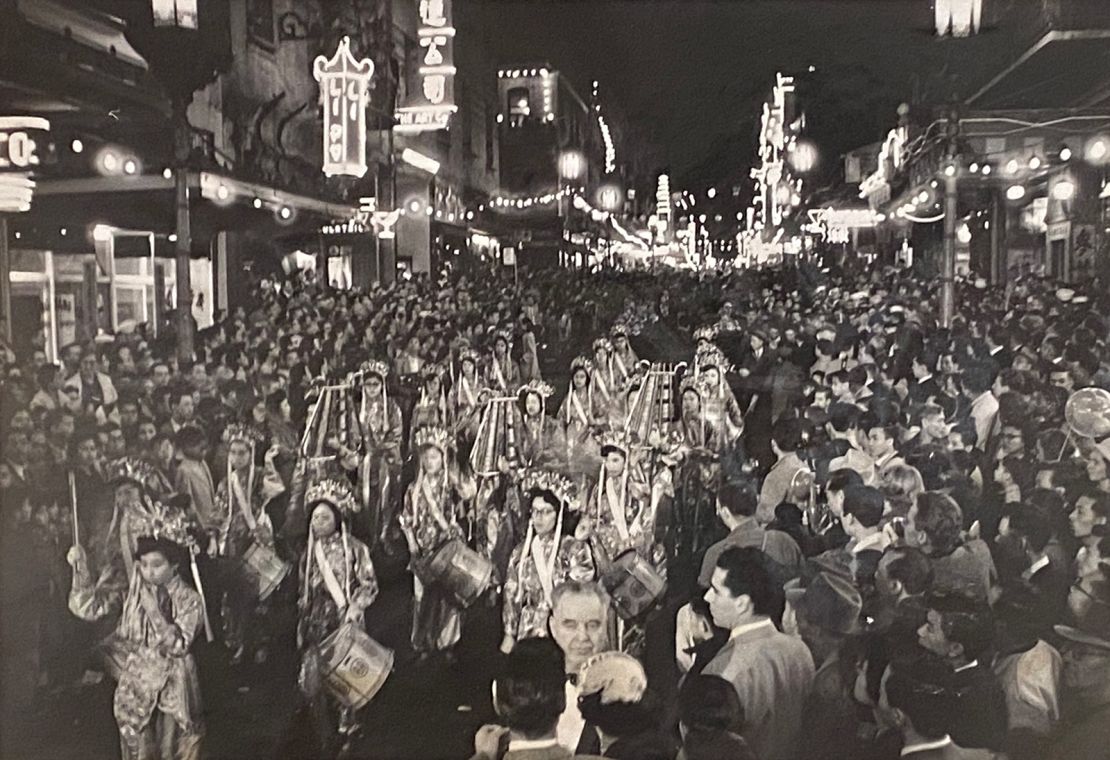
x=265 y=569
x=634 y=584
x=354 y=666
x=461 y=571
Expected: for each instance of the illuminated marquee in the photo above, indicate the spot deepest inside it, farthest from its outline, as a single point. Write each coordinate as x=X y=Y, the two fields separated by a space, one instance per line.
x=344 y=87
x=18 y=158
x=430 y=104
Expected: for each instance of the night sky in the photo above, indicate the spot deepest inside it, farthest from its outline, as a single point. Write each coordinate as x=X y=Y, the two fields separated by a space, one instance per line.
x=693 y=72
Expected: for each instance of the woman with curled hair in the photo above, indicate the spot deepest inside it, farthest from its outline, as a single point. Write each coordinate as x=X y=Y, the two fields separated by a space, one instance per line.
x=900 y=485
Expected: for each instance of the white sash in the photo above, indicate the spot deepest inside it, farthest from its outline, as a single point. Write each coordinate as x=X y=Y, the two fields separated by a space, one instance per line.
x=433 y=506
x=465 y=394
x=236 y=494
x=499 y=374
x=617 y=511
x=620 y=365
x=545 y=567
x=330 y=581
x=578 y=408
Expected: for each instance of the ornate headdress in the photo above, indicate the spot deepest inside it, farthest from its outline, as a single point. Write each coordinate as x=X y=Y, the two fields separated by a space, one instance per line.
x=708 y=332
x=547 y=480
x=603 y=344
x=620 y=328
x=713 y=357
x=374 y=367
x=614 y=439
x=242 y=433
x=137 y=471
x=334 y=492
x=433 y=369
x=432 y=435
x=165 y=522
x=583 y=363
x=692 y=382
x=470 y=355
x=504 y=334
x=538 y=387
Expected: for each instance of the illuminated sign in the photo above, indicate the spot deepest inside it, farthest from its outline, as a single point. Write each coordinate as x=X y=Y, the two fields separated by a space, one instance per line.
x=430 y=104
x=344 y=87
x=18 y=157
x=181 y=13
x=959 y=18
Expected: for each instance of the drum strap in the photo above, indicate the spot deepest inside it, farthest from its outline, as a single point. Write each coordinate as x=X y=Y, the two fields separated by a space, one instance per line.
x=620 y=519
x=621 y=369
x=465 y=392
x=545 y=566
x=433 y=505
x=330 y=581
x=244 y=502
x=578 y=408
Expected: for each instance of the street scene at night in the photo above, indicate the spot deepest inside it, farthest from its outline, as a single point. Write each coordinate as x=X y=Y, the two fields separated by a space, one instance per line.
x=550 y=379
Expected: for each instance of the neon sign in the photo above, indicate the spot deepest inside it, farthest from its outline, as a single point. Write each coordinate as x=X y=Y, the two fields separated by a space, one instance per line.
x=344 y=87
x=430 y=105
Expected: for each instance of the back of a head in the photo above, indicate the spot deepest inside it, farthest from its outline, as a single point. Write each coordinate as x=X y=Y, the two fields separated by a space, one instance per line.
x=787 y=435
x=530 y=690
x=739 y=498
x=910 y=567
x=844 y=417
x=939 y=517
x=919 y=688
x=865 y=504
x=709 y=703
x=842 y=479
x=966 y=621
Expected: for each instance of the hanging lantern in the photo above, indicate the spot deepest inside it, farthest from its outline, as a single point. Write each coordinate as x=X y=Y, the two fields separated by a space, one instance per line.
x=344 y=86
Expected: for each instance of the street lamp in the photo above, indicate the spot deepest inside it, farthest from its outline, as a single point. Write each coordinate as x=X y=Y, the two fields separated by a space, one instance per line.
x=571 y=166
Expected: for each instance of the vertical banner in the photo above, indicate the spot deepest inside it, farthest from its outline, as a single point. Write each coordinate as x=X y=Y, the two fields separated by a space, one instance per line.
x=431 y=99
x=344 y=89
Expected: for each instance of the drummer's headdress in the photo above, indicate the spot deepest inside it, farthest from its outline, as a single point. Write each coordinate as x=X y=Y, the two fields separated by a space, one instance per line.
x=468 y=354
x=707 y=332
x=603 y=344
x=713 y=357
x=583 y=363
x=161 y=522
x=614 y=440
x=334 y=492
x=503 y=334
x=693 y=383
x=538 y=387
x=620 y=329
x=137 y=471
x=432 y=435
x=374 y=367
x=241 y=433
x=547 y=480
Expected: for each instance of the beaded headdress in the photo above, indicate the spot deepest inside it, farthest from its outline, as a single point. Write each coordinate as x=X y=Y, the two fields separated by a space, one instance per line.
x=708 y=332
x=164 y=522
x=614 y=439
x=547 y=480
x=538 y=387
x=374 y=367
x=603 y=344
x=583 y=363
x=242 y=433
x=333 y=492
x=432 y=435
x=134 y=470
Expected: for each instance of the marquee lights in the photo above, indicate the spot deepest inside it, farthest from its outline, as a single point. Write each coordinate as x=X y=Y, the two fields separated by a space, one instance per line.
x=420 y=161
x=18 y=157
x=344 y=86
x=430 y=105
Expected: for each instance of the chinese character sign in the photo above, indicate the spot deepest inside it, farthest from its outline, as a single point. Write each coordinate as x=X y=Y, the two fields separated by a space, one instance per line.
x=431 y=99
x=344 y=89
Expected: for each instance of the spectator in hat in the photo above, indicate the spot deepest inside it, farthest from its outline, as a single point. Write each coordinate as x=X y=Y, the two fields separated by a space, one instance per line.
x=1086 y=692
x=614 y=696
x=827 y=613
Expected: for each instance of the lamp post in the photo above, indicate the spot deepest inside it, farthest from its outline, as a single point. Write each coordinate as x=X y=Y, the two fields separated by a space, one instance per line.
x=186 y=47
x=571 y=165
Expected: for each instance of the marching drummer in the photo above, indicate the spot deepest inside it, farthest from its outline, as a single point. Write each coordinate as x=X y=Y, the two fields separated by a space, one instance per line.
x=338 y=583
x=429 y=518
x=546 y=558
x=464 y=403
x=382 y=431
x=503 y=372
x=620 y=516
x=239 y=498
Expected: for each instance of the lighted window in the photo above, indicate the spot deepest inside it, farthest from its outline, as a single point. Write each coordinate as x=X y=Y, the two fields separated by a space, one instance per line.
x=520 y=105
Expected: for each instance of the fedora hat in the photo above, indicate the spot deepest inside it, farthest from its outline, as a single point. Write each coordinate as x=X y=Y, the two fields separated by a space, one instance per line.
x=830 y=602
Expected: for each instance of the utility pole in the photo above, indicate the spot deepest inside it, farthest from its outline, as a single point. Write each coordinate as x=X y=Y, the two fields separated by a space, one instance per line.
x=951 y=172
x=183 y=229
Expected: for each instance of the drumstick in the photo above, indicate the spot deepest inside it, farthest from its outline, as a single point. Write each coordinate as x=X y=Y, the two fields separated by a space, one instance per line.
x=73 y=504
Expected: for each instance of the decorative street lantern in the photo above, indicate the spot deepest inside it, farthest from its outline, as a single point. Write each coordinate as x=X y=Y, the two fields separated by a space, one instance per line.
x=344 y=87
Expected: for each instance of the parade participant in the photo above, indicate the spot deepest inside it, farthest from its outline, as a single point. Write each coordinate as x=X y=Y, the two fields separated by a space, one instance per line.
x=719 y=404
x=624 y=358
x=620 y=516
x=603 y=382
x=698 y=474
x=241 y=501
x=464 y=407
x=433 y=505
x=431 y=406
x=379 y=467
x=546 y=557
x=503 y=371
x=338 y=583
x=157 y=700
x=580 y=414
x=539 y=437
